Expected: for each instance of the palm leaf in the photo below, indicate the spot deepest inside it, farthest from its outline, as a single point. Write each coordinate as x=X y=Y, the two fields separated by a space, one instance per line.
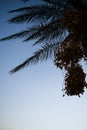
x=46 y=31
x=29 y=9
x=40 y=33
x=34 y=13
x=16 y=35
x=47 y=51
x=54 y=2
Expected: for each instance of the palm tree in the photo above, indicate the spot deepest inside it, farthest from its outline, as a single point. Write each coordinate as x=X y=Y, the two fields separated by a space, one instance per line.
x=60 y=27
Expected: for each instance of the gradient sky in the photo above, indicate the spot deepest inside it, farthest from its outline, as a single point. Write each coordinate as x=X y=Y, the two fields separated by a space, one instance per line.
x=31 y=99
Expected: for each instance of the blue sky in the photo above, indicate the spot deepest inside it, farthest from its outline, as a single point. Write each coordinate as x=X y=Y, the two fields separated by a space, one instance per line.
x=31 y=99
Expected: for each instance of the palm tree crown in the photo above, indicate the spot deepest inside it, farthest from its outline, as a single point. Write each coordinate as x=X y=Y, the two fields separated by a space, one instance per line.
x=60 y=27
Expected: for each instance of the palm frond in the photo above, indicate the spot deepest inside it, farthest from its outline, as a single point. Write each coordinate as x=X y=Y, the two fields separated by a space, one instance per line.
x=47 y=51
x=21 y=34
x=40 y=33
x=54 y=2
x=29 y=9
x=34 y=13
x=46 y=31
x=23 y=9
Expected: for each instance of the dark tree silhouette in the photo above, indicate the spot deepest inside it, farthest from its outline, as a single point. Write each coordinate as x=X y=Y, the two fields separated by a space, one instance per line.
x=61 y=30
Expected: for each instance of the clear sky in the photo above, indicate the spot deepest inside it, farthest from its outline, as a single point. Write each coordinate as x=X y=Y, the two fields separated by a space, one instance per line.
x=31 y=99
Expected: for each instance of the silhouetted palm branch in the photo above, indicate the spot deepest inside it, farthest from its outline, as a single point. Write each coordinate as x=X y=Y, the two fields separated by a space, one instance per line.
x=43 y=32
x=35 y=13
x=54 y=2
x=46 y=51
